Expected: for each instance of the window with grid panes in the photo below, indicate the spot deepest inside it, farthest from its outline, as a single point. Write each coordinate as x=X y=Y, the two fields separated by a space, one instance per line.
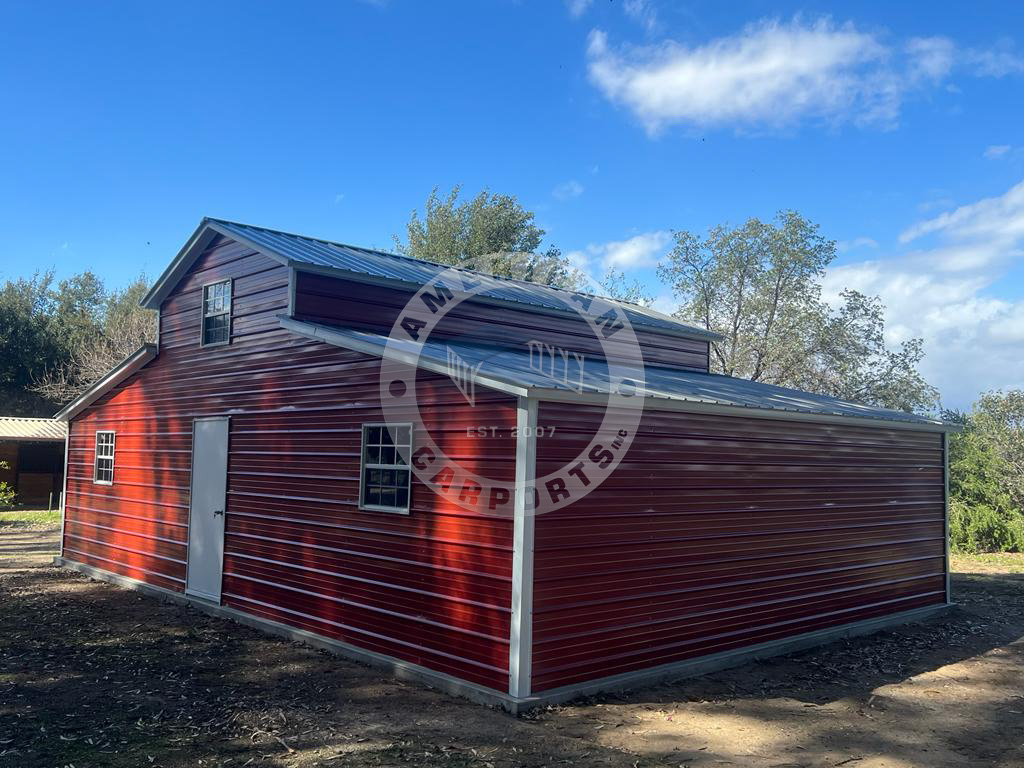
x=103 y=464
x=217 y=313
x=384 y=476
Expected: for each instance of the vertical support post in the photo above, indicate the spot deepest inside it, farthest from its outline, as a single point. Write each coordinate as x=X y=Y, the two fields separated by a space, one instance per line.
x=64 y=491
x=292 y=280
x=520 y=651
x=945 y=499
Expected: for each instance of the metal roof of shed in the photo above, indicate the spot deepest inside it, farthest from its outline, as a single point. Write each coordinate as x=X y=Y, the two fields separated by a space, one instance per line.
x=25 y=429
x=351 y=261
x=510 y=368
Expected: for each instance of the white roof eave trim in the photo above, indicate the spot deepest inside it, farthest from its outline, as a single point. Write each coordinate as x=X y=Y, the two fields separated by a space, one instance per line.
x=122 y=371
x=656 y=403
x=205 y=232
x=321 y=333
x=710 y=407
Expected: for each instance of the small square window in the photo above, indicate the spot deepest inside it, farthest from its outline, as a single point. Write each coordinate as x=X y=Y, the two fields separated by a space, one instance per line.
x=384 y=474
x=216 y=313
x=103 y=462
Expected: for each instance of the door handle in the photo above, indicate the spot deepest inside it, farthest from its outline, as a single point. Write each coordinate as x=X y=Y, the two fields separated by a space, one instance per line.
x=218 y=511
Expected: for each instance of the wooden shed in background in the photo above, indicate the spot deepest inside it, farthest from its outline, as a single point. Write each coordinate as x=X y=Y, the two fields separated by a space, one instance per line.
x=245 y=465
x=32 y=455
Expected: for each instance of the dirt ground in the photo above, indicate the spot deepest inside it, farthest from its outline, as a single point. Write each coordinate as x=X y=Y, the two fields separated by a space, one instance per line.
x=93 y=675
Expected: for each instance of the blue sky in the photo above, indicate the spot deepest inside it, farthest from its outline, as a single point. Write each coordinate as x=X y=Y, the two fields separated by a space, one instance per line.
x=896 y=127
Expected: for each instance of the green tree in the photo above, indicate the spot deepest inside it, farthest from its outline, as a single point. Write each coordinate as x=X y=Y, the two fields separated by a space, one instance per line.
x=490 y=232
x=985 y=509
x=78 y=307
x=29 y=343
x=848 y=357
x=617 y=286
x=759 y=285
x=118 y=326
x=7 y=494
x=999 y=416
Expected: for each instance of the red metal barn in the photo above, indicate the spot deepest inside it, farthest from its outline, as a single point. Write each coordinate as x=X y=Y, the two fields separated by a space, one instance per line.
x=253 y=462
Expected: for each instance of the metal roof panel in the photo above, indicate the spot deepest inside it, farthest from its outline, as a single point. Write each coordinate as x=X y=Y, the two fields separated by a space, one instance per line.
x=18 y=428
x=299 y=250
x=513 y=367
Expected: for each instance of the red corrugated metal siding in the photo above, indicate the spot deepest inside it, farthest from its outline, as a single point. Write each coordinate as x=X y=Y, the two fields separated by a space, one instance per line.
x=375 y=308
x=432 y=587
x=720 y=532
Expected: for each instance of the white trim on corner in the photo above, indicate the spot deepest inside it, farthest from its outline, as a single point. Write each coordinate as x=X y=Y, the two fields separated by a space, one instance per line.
x=122 y=371
x=520 y=649
x=293 y=278
x=945 y=477
x=64 y=492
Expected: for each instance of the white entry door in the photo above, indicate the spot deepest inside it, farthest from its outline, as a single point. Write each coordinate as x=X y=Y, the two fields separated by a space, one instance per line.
x=206 y=512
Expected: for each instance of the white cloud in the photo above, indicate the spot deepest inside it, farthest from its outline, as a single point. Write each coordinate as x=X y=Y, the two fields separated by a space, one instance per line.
x=638 y=251
x=1010 y=326
x=997 y=151
x=577 y=8
x=567 y=190
x=994 y=63
x=642 y=12
x=992 y=223
x=855 y=244
x=973 y=340
x=929 y=58
x=772 y=74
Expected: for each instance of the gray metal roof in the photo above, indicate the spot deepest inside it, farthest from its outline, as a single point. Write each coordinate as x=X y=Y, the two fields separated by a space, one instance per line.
x=299 y=250
x=512 y=366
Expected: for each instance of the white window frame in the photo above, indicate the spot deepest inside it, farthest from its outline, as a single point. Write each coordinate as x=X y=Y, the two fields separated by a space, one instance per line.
x=364 y=466
x=97 y=457
x=227 y=311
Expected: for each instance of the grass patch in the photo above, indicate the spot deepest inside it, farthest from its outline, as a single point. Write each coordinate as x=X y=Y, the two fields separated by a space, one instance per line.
x=989 y=562
x=29 y=517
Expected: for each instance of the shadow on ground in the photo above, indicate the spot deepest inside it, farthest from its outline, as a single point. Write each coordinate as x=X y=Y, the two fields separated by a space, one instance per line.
x=24 y=544
x=93 y=675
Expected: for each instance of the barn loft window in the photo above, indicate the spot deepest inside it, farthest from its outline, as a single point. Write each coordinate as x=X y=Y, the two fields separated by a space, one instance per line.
x=216 y=313
x=384 y=475
x=103 y=464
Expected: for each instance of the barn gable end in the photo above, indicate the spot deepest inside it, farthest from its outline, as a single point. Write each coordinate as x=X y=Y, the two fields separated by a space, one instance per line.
x=431 y=588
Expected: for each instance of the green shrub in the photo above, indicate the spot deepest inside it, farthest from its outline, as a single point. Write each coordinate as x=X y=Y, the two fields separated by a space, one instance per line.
x=980 y=528
x=6 y=492
x=985 y=510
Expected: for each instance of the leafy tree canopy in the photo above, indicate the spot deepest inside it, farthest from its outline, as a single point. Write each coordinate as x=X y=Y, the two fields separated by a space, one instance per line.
x=57 y=338
x=29 y=343
x=986 y=475
x=490 y=232
x=759 y=285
